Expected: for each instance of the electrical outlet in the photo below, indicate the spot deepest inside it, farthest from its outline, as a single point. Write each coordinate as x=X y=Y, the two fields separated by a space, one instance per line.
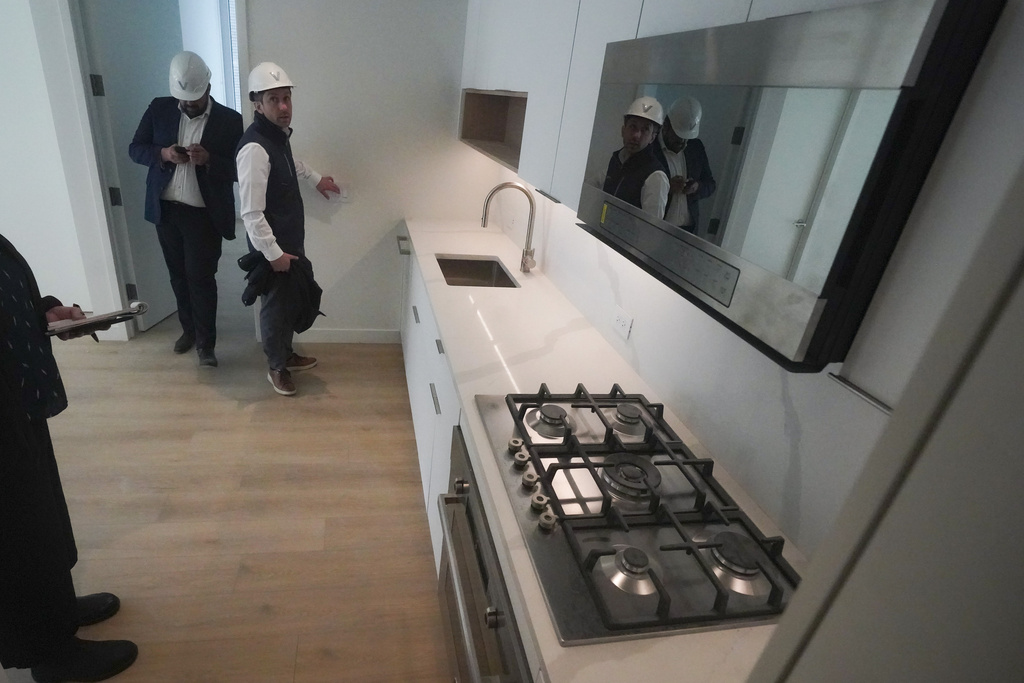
x=623 y=322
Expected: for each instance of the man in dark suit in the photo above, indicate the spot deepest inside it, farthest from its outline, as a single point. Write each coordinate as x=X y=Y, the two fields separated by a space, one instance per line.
x=188 y=142
x=686 y=163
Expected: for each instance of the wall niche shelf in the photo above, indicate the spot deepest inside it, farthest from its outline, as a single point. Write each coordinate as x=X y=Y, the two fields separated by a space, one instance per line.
x=492 y=123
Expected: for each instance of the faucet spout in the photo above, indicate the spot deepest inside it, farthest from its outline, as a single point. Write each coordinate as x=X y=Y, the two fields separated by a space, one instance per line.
x=527 y=262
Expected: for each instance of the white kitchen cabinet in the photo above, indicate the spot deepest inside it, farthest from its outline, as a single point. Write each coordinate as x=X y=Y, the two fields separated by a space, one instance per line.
x=524 y=47
x=600 y=22
x=672 y=16
x=433 y=398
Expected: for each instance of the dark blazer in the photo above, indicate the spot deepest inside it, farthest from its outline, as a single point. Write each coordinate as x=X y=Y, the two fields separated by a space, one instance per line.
x=697 y=167
x=159 y=129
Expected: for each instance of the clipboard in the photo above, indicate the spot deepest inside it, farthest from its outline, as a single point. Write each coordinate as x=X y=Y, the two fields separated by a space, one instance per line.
x=97 y=322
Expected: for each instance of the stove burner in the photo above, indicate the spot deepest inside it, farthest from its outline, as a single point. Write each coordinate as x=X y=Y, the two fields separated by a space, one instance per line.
x=630 y=477
x=737 y=553
x=628 y=569
x=734 y=562
x=627 y=420
x=549 y=420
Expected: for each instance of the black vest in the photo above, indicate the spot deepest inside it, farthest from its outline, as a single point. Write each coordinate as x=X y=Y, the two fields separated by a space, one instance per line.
x=284 y=211
x=626 y=180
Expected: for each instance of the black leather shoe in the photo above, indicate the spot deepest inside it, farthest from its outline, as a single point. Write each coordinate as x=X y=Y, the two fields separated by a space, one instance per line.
x=207 y=358
x=184 y=343
x=86 y=660
x=92 y=609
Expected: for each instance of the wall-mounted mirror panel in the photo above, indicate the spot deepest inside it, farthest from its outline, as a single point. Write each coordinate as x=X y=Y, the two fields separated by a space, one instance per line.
x=815 y=133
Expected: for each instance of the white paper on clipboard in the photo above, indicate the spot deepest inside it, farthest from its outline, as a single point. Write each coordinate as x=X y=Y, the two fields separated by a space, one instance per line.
x=97 y=322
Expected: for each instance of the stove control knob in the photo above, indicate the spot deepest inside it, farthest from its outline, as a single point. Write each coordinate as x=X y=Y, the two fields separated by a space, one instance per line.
x=461 y=487
x=539 y=501
x=522 y=459
x=494 y=618
x=529 y=479
x=547 y=519
x=514 y=444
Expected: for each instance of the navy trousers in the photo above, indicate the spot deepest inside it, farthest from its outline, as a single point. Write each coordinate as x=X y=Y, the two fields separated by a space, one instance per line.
x=192 y=246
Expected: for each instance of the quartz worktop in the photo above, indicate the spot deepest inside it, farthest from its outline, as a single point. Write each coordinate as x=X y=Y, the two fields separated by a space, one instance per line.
x=510 y=340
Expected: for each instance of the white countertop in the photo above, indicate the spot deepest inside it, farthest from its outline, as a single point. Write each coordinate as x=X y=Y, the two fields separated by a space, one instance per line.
x=510 y=340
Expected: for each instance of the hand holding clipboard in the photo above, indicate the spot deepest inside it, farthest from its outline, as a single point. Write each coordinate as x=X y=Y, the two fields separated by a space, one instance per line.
x=89 y=325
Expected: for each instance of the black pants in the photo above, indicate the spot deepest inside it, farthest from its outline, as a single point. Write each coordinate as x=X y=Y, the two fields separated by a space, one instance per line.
x=37 y=548
x=192 y=247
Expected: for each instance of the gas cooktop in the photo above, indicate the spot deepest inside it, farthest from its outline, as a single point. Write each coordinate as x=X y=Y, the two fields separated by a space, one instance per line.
x=629 y=532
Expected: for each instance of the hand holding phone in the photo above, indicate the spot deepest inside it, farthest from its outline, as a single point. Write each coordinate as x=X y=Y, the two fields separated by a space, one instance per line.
x=180 y=150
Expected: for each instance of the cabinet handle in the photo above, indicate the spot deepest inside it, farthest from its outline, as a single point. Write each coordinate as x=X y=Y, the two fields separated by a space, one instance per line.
x=433 y=395
x=403 y=245
x=440 y=346
x=416 y=315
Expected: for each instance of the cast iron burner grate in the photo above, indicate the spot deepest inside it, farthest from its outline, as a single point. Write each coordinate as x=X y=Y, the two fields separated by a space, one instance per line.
x=629 y=531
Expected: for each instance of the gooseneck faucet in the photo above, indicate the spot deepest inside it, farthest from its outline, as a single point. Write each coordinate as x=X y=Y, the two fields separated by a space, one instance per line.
x=527 y=263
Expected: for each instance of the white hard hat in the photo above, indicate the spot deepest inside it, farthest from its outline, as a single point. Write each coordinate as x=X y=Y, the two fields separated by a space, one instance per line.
x=189 y=76
x=684 y=117
x=267 y=76
x=647 y=108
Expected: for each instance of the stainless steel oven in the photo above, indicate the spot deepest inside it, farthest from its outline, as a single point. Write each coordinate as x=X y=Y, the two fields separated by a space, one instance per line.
x=483 y=641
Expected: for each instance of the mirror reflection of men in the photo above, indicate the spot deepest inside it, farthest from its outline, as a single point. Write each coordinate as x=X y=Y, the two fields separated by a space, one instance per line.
x=188 y=142
x=274 y=218
x=635 y=174
x=682 y=153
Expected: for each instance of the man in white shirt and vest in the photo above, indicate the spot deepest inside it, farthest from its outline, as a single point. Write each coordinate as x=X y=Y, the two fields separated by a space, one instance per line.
x=274 y=217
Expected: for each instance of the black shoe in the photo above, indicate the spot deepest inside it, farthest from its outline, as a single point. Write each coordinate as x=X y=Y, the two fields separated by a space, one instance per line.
x=184 y=343
x=207 y=357
x=92 y=609
x=86 y=660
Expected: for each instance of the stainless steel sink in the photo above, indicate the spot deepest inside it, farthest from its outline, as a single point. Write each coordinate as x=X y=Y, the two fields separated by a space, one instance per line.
x=474 y=271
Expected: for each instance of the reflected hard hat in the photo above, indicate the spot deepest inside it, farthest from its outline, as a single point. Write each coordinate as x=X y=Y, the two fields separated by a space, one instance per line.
x=684 y=117
x=267 y=76
x=189 y=76
x=647 y=108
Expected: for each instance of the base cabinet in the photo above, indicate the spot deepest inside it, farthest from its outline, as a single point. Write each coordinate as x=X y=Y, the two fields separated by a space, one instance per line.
x=433 y=399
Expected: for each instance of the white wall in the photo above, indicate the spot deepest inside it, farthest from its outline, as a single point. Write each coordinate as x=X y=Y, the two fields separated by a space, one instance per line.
x=798 y=442
x=202 y=33
x=376 y=106
x=34 y=199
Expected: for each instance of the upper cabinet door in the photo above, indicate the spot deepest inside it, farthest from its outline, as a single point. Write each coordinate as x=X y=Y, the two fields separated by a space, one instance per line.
x=672 y=16
x=600 y=22
x=524 y=46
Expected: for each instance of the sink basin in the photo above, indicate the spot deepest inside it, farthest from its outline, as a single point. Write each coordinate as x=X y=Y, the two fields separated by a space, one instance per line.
x=474 y=271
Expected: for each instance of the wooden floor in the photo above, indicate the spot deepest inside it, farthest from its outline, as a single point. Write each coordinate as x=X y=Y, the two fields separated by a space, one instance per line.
x=251 y=537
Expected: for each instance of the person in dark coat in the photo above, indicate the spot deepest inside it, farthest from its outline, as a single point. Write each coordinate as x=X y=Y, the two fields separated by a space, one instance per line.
x=188 y=142
x=683 y=156
x=39 y=612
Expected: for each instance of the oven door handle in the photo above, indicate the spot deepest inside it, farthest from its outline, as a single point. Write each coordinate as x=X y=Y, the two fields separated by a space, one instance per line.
x=443 y=501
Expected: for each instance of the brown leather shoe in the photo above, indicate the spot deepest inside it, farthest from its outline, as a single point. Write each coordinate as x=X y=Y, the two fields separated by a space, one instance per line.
x=282 y=381
x=297 y=363
x=86 y=660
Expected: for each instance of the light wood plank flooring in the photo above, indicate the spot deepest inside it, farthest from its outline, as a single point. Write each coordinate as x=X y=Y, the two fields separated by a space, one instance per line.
x=251 y=537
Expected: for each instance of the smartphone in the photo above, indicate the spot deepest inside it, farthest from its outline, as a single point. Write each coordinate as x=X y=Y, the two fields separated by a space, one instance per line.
x=180 y=150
